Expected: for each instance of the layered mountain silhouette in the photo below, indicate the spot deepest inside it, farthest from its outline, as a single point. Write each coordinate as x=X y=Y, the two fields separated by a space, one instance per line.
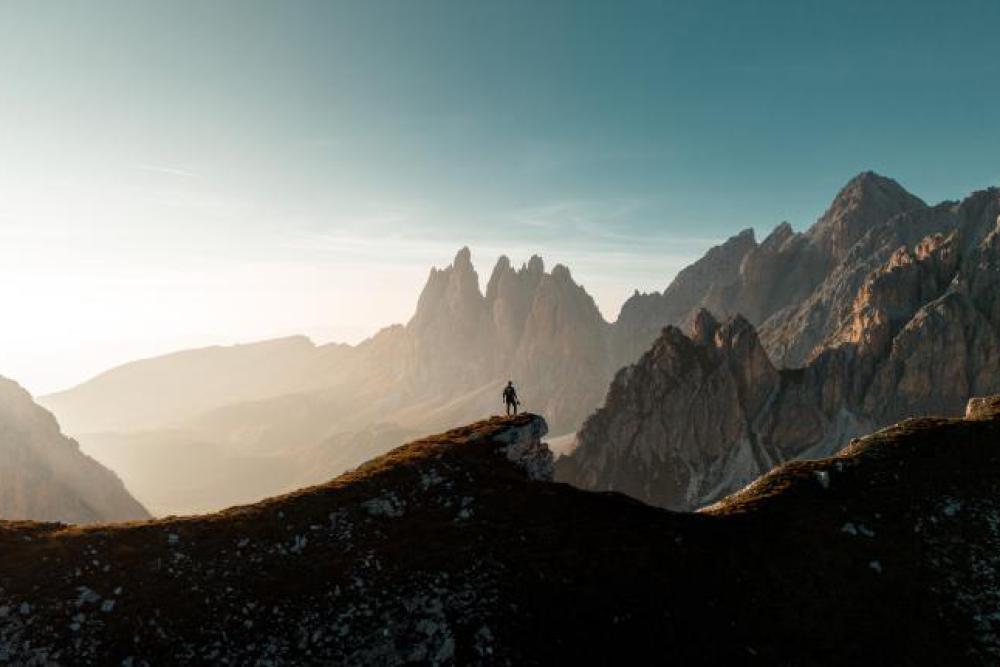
x=203 y=429
x=907 y=323
x=456 y=549
x=848 y=301
x=43 y=474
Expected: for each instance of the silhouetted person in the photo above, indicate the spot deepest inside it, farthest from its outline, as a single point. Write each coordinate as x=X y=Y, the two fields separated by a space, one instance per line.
x=510 y=398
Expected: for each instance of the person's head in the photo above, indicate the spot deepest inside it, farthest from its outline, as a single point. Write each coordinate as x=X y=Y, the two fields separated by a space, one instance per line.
x=510 y=383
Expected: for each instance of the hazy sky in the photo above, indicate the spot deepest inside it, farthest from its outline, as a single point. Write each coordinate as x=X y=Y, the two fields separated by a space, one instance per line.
x=175 y=174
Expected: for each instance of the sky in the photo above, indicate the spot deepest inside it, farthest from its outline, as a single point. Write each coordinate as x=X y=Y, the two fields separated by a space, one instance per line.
x=180 y=174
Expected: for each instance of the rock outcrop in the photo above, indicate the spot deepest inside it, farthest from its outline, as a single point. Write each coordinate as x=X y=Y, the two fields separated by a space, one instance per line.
x=43 y=474
x=450 y=550
x=699 y=417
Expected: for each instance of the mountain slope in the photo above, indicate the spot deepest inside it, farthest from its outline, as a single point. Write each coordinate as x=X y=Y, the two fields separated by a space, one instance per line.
x=455 y=550
x=759 y=281
x=699 y=417
x=44 y=476
x=918 y=336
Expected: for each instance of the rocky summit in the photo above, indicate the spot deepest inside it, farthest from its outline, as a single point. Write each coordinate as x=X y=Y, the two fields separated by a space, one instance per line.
x=904 y=325
x=457 y=549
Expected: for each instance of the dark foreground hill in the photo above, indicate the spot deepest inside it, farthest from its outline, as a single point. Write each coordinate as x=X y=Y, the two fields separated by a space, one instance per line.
x=455 y=549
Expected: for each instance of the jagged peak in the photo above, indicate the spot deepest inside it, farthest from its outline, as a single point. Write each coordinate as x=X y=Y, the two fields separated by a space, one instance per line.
x=867 y=199
x=737 y=329
x=463 y=259
x=780 y=232
x=703 y=326
x=870 y=183
x=499 y=269
x=561 y=272
x=536 y=265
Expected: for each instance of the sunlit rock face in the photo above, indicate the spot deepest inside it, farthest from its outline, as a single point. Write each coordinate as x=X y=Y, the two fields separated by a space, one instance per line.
x=772 y=279
x=698 y=417
x=43 y=475
x=539 y=328
x=916 y=336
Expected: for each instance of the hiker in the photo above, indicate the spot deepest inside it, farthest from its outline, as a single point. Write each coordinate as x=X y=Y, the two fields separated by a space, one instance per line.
x=510 y=398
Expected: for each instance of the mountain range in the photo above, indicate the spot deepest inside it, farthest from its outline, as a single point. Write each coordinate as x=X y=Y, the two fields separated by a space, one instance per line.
x=810 y=319
x=905 y=321
x=202 y=429
x=458 y=549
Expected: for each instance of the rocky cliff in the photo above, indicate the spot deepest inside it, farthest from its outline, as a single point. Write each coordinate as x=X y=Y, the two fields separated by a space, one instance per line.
x=43 y=474
x=456 y=550
x=917 y=336
x=698 y=417
x=759 y=281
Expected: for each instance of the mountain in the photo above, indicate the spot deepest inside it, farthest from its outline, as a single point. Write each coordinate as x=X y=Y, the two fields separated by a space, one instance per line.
x=758 y=281
x=700 y=416
x=455 y=549
x=706 y=281
x=203 y=429
x=43 y=474
x=158 y=391
x=236 y=424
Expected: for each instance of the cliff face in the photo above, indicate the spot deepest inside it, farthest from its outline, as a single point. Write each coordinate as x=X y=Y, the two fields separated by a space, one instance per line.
x=761 y=281
x=918 y=336
x=698 y=417
x=456 y=550
x=710 y=280
x=541 y=329
x=43 y=475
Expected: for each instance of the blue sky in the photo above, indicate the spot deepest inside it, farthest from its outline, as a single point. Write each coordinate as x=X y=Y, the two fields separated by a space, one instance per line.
x=186 y=173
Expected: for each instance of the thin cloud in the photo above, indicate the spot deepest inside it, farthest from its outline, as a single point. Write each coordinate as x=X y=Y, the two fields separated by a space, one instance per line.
x=169 y=171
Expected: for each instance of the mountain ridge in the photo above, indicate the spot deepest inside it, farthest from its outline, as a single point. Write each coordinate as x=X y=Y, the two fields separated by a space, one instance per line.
x=909 y=329
x=454 y=549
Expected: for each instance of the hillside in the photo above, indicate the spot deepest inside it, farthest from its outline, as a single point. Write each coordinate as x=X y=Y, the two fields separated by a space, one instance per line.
x=43 y=474
x=456 y=550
